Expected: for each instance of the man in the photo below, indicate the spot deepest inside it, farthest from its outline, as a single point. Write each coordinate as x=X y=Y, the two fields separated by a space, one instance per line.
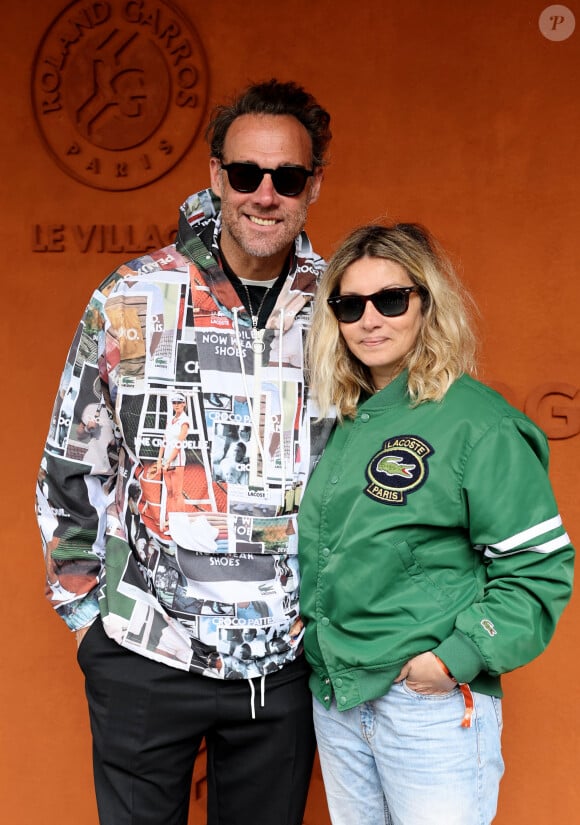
x=205 y=320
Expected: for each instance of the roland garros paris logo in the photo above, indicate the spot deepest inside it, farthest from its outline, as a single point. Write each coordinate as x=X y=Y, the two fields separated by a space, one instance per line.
x=119 y=89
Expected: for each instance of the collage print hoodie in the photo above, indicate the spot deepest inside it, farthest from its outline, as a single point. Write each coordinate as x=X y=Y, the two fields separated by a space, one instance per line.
x=179 y=447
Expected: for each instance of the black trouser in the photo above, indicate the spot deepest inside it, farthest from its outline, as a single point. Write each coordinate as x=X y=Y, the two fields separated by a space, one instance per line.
x=148 y=721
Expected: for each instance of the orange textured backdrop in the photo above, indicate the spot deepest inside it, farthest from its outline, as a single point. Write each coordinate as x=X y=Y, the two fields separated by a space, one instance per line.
x=461 y=116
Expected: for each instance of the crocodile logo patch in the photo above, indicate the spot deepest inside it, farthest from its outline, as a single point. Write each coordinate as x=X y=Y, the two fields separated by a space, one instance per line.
x=400 y=467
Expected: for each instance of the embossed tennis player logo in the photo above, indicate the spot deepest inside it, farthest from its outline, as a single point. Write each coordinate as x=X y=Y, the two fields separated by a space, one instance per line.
x=119 y=90
x=399 y=468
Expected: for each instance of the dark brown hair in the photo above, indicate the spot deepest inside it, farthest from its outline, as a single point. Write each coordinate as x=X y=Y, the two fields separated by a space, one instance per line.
x=273 y=98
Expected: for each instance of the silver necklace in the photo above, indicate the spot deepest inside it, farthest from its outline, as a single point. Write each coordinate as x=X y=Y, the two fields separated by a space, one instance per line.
x=258 y=345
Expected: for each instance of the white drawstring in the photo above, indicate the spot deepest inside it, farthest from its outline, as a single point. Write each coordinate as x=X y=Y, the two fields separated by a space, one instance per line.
x=252 y=698
x=255 y=424
x=281 y=393
x=253 y=695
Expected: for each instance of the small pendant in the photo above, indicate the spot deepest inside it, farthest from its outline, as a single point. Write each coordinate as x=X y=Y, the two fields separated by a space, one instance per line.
x=258 y=345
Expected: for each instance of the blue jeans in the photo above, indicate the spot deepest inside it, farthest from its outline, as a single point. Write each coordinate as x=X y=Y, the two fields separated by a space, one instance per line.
x=404 y=759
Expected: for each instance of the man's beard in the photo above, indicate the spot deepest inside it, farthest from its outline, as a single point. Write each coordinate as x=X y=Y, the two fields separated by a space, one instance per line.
x=263 y=247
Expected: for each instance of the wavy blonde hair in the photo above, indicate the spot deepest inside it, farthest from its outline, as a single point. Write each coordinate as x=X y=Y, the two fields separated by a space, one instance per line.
x=445 y=346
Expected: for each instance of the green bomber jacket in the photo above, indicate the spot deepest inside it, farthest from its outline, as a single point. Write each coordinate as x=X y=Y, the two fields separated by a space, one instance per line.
x=431 y=527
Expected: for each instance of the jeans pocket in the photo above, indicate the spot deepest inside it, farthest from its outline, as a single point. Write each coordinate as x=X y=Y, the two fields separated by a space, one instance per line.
x=432 y=696
x=497 y=706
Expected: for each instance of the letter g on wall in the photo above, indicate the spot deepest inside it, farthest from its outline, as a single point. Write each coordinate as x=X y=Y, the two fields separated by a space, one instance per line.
x=551 y=407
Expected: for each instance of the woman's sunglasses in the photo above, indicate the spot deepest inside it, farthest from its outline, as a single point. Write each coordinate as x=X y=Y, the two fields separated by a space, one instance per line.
x=389 y=302
x=288 y=181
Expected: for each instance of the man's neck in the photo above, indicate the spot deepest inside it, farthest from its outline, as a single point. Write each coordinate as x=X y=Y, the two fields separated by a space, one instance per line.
x=249 y=266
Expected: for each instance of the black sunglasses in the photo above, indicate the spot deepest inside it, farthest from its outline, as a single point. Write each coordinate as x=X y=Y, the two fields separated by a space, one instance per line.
x=389 y=302
x=288 y=181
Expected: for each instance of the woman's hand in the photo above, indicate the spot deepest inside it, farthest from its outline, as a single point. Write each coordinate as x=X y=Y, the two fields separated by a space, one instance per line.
x=424 y=674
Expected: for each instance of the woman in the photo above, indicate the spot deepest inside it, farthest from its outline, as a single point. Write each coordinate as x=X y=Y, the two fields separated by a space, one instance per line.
x=171 y=458
x=433 y=558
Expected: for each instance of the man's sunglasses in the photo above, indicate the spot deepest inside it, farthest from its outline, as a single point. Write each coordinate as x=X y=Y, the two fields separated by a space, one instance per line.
x=389 y=302
x=288 y=181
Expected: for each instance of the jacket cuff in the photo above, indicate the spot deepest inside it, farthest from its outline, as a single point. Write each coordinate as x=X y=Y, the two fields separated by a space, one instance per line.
x=84 y=613
x=461 y=656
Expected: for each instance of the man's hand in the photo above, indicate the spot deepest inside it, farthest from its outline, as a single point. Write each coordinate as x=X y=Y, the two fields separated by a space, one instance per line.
x=80 y=634
x=424 y=674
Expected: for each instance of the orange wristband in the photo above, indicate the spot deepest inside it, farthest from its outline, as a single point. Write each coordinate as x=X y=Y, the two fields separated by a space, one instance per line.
x=465 y=691
x=444 y=668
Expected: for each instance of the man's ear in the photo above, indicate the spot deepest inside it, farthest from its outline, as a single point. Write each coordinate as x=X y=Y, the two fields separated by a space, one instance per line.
x=315 y=185
x=215 y=175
